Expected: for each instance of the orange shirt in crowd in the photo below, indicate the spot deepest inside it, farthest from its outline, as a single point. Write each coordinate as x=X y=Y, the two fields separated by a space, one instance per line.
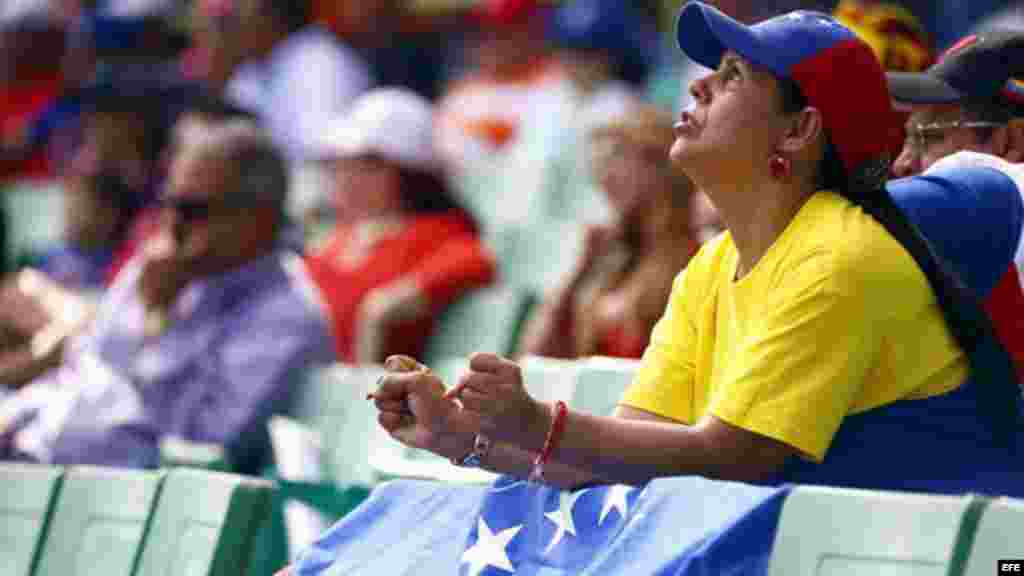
x=440 y=254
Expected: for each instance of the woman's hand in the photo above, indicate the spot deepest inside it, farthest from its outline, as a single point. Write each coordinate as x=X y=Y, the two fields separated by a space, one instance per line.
x=415 y=411
x=493 y=394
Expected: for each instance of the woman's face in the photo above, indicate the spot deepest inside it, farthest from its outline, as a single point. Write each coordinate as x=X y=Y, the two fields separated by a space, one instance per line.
x=734 y=126
x=626 y=173
x=363 y=188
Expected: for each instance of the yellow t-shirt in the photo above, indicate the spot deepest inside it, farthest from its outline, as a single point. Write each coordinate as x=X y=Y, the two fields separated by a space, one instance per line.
x=835 y=319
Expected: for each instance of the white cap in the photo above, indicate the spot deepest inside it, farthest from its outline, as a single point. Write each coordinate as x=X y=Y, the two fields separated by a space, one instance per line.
x=393 y=123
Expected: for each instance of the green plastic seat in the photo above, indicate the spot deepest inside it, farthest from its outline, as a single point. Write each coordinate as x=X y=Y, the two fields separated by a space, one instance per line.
x=35 y=216
x=600 y=383
x=204 y=524
x=27 y=495
x=99 y=522
x=347 y=422
x=839 y=532
x=1000 y=536
x=550 y=379
x=321 y=454
x=450 y=369
x=537 y=256
x=484 y=320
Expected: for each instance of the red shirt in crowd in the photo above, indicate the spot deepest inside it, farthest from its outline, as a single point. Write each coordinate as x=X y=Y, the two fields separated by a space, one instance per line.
x=440 y=255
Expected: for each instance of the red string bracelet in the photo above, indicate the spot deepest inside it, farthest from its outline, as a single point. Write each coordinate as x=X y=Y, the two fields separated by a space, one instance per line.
x=554 y=435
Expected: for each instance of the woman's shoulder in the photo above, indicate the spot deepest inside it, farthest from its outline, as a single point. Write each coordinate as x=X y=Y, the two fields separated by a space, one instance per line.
x=857 y=250
x=705 y=268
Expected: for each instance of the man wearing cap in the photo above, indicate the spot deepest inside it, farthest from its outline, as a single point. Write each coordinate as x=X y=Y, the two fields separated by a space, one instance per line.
x=972 y=100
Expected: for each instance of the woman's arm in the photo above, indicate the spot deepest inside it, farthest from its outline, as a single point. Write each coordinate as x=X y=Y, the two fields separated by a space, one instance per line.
x=504 y=458
x=593 y=449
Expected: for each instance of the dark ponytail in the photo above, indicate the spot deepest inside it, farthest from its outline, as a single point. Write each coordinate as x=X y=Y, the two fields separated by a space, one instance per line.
x=990 y=364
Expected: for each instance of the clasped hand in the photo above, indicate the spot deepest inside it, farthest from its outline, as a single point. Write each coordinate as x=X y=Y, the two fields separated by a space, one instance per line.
x=489 y=399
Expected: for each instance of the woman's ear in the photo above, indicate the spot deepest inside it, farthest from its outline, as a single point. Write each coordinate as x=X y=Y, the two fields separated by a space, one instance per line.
x=804 y=130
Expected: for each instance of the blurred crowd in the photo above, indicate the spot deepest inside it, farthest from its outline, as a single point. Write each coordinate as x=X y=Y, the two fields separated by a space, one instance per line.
x=251 y=188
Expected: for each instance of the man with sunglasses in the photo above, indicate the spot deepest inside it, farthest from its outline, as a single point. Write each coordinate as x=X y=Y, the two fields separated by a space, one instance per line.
x=968 y=110
x=202 y=335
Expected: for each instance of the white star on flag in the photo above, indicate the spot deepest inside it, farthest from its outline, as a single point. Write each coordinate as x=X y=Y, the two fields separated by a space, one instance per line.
x=562 y=517
x=489 y=549
x=616 y=498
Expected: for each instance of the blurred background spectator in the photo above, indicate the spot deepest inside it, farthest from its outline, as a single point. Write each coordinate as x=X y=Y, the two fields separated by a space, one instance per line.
x=264 y=50
x=170 y=351
x=508 y=87
x=897 y=37
x=403 y=249
x=620 y=286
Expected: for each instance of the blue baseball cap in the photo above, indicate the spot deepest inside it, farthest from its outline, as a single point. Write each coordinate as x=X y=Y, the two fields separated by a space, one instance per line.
x=613 y=26
x=836 y=71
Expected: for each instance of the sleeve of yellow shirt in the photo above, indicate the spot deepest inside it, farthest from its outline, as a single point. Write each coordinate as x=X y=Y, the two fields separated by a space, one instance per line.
x=796 y=376
x=665 y=380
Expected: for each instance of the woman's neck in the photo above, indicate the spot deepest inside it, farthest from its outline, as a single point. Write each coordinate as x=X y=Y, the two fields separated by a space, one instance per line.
x=757 y=216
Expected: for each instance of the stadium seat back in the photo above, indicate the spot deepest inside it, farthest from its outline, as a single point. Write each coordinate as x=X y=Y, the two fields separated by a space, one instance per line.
x=27 y=495
x=347 y=422
x=538 y=255
x=99 y=522
x=483 y=320
x=840 y=532
x=600 y=383
x=450 y=369
x=1000 y=536
x=204 y=524
x=34 y=216
x=550 y=379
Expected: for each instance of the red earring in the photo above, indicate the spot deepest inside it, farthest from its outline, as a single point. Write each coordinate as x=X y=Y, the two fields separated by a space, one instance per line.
x=779 y=167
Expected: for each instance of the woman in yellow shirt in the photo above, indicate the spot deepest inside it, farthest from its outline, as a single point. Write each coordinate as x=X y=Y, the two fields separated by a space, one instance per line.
x=817 y=341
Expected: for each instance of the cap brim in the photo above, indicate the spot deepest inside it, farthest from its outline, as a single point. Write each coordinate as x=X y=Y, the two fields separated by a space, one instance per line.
x=910 y=88
x=704 y=34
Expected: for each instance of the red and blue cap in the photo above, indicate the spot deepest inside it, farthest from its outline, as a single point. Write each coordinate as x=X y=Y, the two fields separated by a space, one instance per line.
x=986 y=67
x=836 y=71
